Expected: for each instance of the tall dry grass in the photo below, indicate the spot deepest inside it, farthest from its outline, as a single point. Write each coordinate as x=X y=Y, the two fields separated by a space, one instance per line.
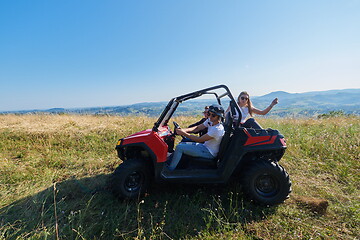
x=54 y=168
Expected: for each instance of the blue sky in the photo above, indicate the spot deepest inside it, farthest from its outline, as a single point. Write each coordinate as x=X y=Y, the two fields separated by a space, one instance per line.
x=83 y=53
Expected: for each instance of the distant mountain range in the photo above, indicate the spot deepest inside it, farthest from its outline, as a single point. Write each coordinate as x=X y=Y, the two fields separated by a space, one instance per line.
x=290 y=104
x=312 y=103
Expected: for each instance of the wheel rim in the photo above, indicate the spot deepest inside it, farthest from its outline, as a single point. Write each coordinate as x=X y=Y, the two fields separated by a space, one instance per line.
x=266 y=185
x=134 y=181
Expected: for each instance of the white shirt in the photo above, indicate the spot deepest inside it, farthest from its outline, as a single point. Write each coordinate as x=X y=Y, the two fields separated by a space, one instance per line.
x=244 y=114
x=217 y=132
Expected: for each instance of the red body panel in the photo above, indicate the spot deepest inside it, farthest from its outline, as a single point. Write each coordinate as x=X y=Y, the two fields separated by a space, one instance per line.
x=258 y=140
x=153 y=140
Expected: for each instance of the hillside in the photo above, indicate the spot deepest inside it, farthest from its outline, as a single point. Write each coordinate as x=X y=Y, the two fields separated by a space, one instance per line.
x=54 y=171
x=290 y=104
x=312 y=103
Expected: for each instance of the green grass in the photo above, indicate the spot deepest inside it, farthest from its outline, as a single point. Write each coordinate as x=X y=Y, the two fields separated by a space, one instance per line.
x=54 y=172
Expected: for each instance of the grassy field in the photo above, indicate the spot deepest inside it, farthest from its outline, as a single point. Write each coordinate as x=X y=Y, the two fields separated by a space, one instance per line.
x=54 y=172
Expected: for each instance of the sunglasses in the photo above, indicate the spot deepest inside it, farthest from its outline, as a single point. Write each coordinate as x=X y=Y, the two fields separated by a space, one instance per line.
x=244 y=98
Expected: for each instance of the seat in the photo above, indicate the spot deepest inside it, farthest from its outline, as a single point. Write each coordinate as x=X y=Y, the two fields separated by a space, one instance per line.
x=198 y=162
x=227 y=135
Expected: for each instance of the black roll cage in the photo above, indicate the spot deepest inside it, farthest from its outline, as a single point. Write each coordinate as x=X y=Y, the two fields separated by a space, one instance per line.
x=174 y=103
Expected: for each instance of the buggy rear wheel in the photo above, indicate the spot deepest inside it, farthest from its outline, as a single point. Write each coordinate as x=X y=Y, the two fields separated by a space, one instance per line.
x=130 y=179
x=266 y=183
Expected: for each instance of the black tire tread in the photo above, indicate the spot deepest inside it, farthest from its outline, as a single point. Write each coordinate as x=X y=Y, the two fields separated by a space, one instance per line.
x=122 y=171
x=273 y=168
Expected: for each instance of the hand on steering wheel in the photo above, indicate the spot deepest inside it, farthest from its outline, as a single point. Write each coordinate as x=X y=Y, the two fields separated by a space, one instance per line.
x=176 y=125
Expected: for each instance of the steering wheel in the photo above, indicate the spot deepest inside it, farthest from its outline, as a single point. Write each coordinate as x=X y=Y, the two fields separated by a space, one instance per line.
x=176 y=125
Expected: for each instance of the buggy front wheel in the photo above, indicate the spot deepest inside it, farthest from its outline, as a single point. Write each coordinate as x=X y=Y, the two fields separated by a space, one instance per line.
x=130 y=179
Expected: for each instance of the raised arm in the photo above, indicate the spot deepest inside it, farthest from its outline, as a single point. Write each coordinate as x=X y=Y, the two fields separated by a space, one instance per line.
x=266 y=110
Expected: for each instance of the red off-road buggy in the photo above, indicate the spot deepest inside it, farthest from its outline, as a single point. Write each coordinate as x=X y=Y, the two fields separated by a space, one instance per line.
x=249 y=155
